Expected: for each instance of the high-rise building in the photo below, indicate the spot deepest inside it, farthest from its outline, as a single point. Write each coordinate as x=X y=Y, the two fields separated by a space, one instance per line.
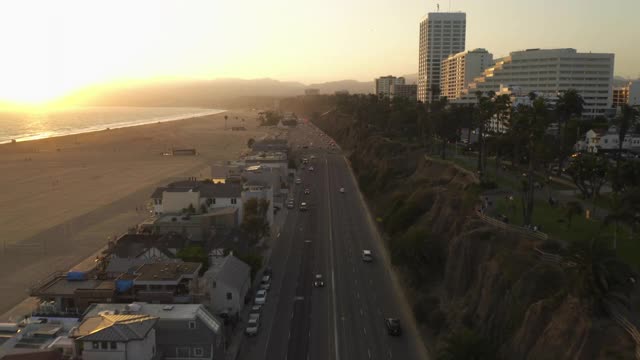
x=554 y=70
x=628 y=94
x=383 y=84
x=457 y=71
x=441 y=35
x=409 y=91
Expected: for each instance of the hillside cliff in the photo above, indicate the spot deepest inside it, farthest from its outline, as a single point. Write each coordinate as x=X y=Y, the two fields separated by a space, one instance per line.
x=462 y=273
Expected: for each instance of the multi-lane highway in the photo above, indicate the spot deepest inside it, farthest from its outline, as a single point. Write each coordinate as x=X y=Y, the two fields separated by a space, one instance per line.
x=345 y=319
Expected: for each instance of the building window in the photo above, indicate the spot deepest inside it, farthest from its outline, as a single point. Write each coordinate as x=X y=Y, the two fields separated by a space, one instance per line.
x=103 y=345
x=183 y=352
x=229 y=296
x=233 y=200
x=95 y=345
x=192 y=324
x=198 y=352
x=113 y=345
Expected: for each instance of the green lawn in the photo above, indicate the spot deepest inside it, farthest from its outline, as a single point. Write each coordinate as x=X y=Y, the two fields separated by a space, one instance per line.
x=554 y=223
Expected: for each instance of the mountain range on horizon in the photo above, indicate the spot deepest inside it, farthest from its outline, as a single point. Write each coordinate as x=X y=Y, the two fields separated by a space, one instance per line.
x=218 y=92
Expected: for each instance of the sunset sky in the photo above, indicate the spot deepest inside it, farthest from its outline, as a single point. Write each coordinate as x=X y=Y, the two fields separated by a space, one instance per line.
x=52 y=47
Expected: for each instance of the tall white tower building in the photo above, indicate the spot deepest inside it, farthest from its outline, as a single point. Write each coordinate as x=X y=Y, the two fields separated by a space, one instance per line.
x=441 y=35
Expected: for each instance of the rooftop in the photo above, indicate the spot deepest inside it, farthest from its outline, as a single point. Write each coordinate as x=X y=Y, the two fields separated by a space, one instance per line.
x=112 y=327
x=164 y=271
x=62 y=286
x=161 y=311
x=206 y=188
x=229 y=270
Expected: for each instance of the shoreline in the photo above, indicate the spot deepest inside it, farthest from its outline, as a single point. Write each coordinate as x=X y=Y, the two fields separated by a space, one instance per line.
x=70 y=194
x=112 y=126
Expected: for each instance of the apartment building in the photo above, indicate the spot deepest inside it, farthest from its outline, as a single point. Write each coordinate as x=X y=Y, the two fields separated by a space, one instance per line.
x=552 y=71
x=627 y=95
x=441 y=35
x=458 y=71
x=384 y=84
x=409 y=91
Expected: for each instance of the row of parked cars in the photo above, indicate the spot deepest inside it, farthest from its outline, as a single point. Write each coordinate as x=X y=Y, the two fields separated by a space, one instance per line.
x=253 y=322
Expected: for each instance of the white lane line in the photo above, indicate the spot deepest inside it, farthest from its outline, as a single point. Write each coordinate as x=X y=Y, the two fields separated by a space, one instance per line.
x=358 y=295
x=390 y=355
x=361 y=312
x=365 y=330
x=333 y=277
x=369 y=352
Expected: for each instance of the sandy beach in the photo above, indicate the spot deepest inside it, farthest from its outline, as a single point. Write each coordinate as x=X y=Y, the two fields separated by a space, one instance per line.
x=64 y=197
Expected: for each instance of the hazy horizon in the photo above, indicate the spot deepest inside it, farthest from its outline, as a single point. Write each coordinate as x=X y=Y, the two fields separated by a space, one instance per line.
x=69 y=45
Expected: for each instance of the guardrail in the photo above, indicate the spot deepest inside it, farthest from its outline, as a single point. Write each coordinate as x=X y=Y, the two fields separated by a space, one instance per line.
x=628 y=327
x=548 y=257
x=497 y=223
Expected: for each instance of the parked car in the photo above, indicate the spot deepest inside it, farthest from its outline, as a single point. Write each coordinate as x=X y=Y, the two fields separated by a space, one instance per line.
x=393 y=326
x=265 y=283
x=367 y=256
x=318 y=281
x=253 y=325
x=261 y=297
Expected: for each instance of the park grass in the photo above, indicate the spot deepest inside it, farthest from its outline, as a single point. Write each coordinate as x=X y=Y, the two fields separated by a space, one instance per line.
x=554 y=223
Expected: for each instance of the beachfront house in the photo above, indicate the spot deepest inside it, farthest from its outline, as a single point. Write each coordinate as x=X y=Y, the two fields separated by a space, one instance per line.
x=183 y=331
x=114 y=336
x=196 y=197
x=255 y=189
x=227 y=283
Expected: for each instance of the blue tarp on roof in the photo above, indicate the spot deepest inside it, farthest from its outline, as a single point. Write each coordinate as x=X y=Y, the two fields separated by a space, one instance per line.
x=123 y=286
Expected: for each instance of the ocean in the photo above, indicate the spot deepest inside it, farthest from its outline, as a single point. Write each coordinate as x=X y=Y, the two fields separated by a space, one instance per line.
x=33 y=125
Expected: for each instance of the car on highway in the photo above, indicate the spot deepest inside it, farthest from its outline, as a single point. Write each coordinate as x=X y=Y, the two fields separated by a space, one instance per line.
x=298 y=181
x=393 y=326
x=303 y=206
x=342 y=190
x=290 y=204
x=318 y=281
x=310 y=168
x=261 y=297
x=253 y=326
x=307 y=191
x=367 y=256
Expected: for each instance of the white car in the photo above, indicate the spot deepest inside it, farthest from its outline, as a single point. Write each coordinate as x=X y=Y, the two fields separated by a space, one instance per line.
x=298 y=181
x=261 y=297
x=310 y=168
x=265 y=283
x=303 y=206
x=307 y=191
x=342 y=190
x=290 y=204
x=253 y=325
x=367 y=256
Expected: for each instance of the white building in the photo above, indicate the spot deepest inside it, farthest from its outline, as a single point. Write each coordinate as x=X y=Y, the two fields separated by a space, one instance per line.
x=599 y=140
x=458 y=71
x=259 y=190
x=384 y=84
x=180 y=195
x=441 y=35
x=228 y=281
x=552 y=71
x=109 y=336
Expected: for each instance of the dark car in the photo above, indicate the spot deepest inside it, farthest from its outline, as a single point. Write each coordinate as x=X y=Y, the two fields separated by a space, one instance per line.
x=393 y=326
x=318 y=281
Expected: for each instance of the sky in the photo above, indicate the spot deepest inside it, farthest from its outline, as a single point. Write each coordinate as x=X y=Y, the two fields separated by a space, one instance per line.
x=50 y=48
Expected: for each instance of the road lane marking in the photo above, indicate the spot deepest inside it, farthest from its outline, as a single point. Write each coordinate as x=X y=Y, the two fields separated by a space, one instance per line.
x=369 y=352
x=333 y=278
x=365 y=330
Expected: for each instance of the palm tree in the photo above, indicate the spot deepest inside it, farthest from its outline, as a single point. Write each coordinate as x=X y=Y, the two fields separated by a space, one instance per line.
x=572 y=208
x=624 y=209
x=533 y=121
x=570 y=103
x=624 y=122
x=485 y=110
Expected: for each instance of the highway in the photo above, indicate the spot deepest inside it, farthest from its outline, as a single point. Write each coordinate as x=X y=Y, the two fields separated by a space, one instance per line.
x=345 y=319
